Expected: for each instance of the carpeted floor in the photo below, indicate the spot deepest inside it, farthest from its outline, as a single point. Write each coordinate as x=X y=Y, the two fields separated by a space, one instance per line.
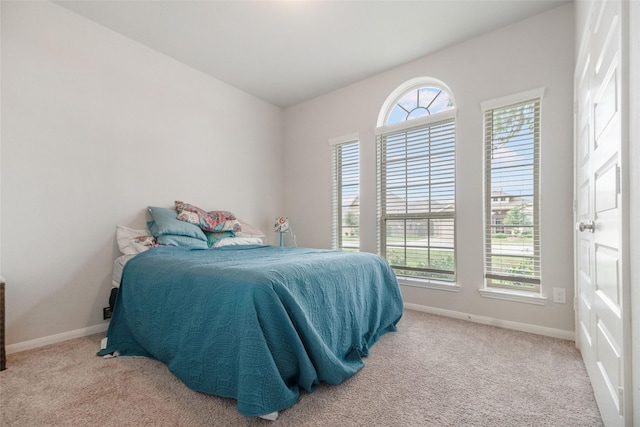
x=435 y=371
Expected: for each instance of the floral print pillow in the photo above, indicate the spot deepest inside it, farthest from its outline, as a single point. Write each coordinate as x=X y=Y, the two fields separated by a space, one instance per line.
x=216 y=221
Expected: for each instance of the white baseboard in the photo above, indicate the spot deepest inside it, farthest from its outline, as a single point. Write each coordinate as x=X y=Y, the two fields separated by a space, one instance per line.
x=52 y=339
x=507 y=324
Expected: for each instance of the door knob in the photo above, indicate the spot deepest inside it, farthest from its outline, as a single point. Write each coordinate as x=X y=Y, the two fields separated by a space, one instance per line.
x=589 y=225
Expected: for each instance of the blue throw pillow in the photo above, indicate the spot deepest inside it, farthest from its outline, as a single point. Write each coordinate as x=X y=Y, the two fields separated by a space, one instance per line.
x=165 y=222
x=184 y=241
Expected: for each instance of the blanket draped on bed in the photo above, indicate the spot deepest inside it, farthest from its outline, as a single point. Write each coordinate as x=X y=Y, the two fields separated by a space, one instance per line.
x=254 y=323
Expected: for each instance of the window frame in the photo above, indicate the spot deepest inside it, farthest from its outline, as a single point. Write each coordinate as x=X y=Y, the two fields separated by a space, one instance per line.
x=490 y=289
x=337 y=171
x=384 y=130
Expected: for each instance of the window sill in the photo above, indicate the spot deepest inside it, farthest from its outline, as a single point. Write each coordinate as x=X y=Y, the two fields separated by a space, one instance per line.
x=510 y=295
x=429 y=284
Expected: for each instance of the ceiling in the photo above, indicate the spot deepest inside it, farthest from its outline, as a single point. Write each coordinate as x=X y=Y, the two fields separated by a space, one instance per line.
x=286 y=52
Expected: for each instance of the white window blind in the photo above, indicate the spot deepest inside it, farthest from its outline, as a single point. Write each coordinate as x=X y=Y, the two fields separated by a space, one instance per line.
x=511 y=211
x=416 y=190
x=345 y=162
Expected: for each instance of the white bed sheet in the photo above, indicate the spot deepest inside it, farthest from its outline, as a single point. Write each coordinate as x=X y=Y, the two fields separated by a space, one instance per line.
x=118 y=265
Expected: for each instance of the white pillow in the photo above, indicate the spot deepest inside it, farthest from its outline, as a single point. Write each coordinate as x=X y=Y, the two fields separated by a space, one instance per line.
x=131 y=241
x=228 y=241
x=248 y=230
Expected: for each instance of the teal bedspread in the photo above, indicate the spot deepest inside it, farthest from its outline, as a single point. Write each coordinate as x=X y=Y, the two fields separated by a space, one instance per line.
x=254 y=323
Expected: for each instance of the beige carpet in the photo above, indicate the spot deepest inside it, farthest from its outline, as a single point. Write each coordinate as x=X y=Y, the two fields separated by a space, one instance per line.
x=434 y=371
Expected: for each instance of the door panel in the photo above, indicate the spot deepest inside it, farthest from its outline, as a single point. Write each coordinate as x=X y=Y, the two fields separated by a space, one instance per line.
x=607 y=280
x=605 y=106
x=606 y=189
x=609 y=362
x=585 y=327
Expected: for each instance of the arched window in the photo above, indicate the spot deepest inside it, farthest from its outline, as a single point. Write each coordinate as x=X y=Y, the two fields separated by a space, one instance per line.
x=420 y=98
x=416 y=181
x=419 y=102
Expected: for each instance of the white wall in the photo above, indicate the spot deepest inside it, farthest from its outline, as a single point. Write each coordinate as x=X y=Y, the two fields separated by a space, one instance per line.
x=96 y=127
x=534 y=53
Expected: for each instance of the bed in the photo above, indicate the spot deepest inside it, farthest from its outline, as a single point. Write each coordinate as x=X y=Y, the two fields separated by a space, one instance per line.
x=251 y=322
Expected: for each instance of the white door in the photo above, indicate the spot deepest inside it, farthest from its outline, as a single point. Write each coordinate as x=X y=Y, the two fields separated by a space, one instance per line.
x=600 y=276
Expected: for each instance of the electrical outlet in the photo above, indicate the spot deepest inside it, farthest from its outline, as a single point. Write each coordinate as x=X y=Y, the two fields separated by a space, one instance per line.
x=559 y=296
x=106 y=313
